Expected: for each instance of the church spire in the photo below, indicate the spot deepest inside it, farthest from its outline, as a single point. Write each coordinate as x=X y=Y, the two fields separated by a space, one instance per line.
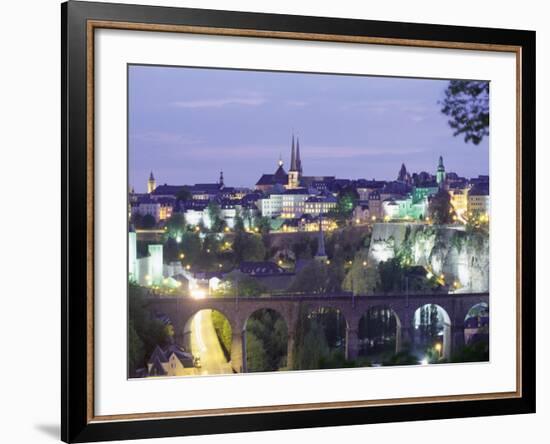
x=293 y=156
x=298 y=160
x=221 y=180
x=321 y=254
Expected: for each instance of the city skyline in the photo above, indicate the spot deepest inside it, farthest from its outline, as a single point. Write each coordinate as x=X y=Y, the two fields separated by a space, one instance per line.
x=349 y=126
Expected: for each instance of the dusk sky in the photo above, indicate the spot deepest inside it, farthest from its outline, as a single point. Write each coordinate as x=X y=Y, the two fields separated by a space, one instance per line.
x=187 y=124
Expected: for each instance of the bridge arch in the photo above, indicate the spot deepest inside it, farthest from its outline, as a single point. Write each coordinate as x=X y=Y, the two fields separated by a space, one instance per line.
x=189 y=317
x=476 y=322
x=205 y=346
x=237 y=310
x=329 y=320
x=432 y=332
x=379 y=331
x=265 y=341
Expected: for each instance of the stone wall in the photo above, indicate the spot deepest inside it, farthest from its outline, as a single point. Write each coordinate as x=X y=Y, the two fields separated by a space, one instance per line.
x=462 y=256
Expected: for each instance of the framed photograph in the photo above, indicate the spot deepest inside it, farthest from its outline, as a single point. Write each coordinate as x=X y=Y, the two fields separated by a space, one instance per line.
x=275 y=221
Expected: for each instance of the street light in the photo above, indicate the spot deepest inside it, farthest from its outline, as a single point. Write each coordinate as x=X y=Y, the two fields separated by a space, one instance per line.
x=198 y=293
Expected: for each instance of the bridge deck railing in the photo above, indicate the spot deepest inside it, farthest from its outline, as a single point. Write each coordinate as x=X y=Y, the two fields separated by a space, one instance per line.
x=324 y=296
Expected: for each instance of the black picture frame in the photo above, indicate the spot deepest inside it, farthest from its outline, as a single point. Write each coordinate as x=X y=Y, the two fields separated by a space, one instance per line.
x=76 y=423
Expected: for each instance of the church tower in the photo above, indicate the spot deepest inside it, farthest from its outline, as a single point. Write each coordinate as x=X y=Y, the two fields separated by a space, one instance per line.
x=321 y=254
x=298 y=160
x=151 y=183
x=220 y=182
x=440 y=175
x=293 y=172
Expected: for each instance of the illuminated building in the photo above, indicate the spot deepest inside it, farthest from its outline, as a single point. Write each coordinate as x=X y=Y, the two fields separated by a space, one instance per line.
x=173 y=360
x=375 y=205
x=478 y=199
x=320 y=204
x=459 y=199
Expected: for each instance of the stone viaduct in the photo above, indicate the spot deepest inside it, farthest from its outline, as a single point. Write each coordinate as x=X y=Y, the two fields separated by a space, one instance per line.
x=237 y=310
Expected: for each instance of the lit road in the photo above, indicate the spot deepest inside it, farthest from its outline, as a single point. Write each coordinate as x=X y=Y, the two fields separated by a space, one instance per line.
x=204 y=343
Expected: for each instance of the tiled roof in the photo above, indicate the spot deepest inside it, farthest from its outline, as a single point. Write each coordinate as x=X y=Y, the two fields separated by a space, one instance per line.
x=297 y=191
x=184 y=357
x=271 y=179
x=329 y=198
x=168 y=190
x=373 y=184
x=261 y=268
x=201 y=187
x=479 y=189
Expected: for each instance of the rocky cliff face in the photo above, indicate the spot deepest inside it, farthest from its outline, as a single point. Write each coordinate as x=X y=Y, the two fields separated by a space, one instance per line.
x=463 y=257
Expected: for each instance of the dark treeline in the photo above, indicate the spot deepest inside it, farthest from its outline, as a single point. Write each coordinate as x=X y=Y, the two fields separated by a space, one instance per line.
x=266 y=341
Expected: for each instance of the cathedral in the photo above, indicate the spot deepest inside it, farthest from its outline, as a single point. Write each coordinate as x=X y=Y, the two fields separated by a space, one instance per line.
x=294 y=178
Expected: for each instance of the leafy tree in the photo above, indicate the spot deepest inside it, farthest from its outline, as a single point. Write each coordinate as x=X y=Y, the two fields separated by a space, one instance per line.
x=332 y=324
x=223 y=332
x=263 y=224
x=378 y=328
x=313 y=278
x=347 y=200
x=311 y=349
x=239 y=223
x=170 y=251
x=268 y=333
x=476 y=352
x=402 y=358
x=213 y=210
x=191 y=246
x=430 y=325
x=240 y=284
x=144 y=331
x=357 y=278
x=136 y=351
x=256 y=359
x=441 y=210
x=136 y=220
x=248 y=247
x=466 y=102
x=175 y=226
x=148 y=222
x=303 y=247
x=391 y=275
x=318 y=277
